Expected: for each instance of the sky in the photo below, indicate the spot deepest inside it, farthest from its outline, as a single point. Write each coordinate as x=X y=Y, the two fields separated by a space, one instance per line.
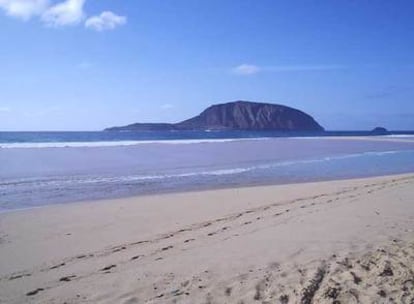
x=88 y=64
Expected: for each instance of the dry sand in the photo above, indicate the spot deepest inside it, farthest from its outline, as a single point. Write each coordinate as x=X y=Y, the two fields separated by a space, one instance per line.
x=349 y=241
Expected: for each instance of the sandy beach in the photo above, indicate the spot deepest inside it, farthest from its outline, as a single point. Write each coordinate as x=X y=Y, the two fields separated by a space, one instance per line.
x=347 y=241
x=206 y=152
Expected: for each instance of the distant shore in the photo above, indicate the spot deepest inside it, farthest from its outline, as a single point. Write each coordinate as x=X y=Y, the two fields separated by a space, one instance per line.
x=301 y=243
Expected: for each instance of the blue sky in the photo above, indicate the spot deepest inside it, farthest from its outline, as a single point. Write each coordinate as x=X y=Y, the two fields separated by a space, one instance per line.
x=87 y=64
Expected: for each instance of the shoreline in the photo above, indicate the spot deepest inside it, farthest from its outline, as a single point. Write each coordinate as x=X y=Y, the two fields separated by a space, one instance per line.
x=34 y=177
x=207 y=189
x=238 y=244
x=408 y=138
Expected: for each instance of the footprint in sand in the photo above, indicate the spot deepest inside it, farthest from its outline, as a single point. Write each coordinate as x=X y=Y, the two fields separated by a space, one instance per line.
x=108 y=268
x=67 y=279
x=167 y=248
x=19 y=276
x=57 y=266
x=34 y=292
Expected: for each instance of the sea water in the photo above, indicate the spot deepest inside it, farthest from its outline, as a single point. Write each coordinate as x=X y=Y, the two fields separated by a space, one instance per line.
x=41 y=168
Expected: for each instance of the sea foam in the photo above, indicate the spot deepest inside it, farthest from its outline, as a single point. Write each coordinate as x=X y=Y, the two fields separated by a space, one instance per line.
x=96 y=144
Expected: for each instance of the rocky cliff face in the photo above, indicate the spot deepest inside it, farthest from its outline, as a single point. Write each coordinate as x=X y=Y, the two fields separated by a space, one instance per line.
x=244 y=115
x=240 y=115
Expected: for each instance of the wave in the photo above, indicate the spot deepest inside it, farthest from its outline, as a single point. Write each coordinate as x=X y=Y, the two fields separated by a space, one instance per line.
x=400 y=136
x=97 y=144
x=84 y=180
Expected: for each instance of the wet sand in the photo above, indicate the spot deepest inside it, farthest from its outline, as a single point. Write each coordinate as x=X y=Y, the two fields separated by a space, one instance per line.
x=348 y=241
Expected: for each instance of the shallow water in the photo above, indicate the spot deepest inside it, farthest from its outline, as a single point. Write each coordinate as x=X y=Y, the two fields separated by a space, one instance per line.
x=31 y=176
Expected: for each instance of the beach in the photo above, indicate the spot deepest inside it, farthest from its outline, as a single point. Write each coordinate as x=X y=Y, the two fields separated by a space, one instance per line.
x=343 y=241
x=206 y=152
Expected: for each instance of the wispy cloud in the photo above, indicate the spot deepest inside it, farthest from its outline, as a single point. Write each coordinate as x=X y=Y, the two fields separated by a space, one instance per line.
x=379 y=95
x=5 y=109
x=389 y=92
x=105 y=21
x=246 y=69
x=167 y=106
x=61 y=13
x=251 y=69
x=43 y=112
x=84 y=65
x=293 y=68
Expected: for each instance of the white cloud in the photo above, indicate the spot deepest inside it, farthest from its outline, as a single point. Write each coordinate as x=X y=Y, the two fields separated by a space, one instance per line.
x=24 y=9
x=105 y=21
x=56 y=13
x=293 y=68
x=43 y=112
x=250 y=69
x=4 y=109
x=84 y=65
x=167 y=106
x=246 y=69
x=69 y=12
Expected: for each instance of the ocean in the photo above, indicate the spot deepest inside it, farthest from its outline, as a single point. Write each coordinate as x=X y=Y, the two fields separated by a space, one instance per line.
x=42 y=168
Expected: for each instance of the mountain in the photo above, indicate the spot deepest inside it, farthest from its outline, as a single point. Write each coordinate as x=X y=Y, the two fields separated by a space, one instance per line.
x=237 y=115
x=380 y=131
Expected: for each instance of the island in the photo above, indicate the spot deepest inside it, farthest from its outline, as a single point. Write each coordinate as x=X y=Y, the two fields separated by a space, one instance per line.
x=379 y=131
x=237 y=115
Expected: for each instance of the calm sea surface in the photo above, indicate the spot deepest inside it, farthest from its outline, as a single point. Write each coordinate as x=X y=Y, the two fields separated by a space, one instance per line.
x=40 y=168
